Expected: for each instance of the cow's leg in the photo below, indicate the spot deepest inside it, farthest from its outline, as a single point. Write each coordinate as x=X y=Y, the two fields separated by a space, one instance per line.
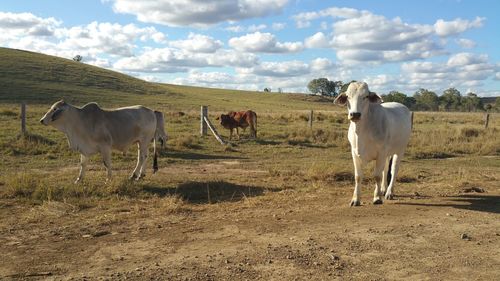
x=378 y=174
x=383 y=187
x=83 y=166
x=237 y=133
x=106 y=158
x=143 y=150
x=358 y=177
x=396 y=160
x=230 y=133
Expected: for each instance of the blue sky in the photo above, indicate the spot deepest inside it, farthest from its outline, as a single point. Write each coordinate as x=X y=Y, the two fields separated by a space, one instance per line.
x=253 y=44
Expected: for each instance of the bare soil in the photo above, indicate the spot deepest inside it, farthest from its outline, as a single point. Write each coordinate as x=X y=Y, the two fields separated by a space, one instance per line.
x=449 y=233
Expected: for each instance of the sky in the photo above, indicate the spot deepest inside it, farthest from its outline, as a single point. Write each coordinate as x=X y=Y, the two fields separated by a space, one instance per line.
x=278 y=44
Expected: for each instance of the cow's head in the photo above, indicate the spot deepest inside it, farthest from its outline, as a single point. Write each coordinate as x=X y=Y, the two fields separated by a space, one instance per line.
x=225 y=120
x=357 y=98
x=55 y=113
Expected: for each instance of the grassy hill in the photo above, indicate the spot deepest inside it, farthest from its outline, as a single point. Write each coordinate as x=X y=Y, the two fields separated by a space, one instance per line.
x=42 y=79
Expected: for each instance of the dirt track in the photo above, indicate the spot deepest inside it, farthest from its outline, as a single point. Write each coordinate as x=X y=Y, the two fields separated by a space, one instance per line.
x=266 y=235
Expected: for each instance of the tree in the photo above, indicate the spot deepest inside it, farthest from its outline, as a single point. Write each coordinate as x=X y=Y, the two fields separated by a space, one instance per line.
x=472 y=102
x=451 y=99
x=395 y=96
x=78 y=58
x=267 y=90
x=497 y=104
x=324 y=87
x=426 y=100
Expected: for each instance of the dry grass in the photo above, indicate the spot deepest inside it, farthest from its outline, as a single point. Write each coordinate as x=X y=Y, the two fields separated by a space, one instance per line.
x=295 y=156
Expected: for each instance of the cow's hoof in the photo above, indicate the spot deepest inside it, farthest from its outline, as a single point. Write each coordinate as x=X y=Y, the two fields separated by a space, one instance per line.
x=355 y=203
x=389 y=196
x=377 y=201
x=78 y=180
x=141 y=177
x=132 y=177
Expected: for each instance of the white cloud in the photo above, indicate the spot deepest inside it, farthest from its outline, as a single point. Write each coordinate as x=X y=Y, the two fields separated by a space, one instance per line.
x=235 y=28
x=465 y=59
x=197 y=13
x=360 y=36
x=317 y=40
x=497 y=76
x=198 y=43
x=303 y=20
x=322 y=64
x=232 y=58
x=46 y=35
x=466 y=43
x=373 y=32
x=172 y=60
x=277 y=26
x=281 y=69
x=254 y=28
x=22 y=24
x=110 y=38
x=160 y=60
x=263 y=43
x=448 y=28
x=463 y=69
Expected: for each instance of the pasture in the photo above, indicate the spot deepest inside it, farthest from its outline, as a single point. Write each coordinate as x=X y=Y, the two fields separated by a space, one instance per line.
x=274 y=208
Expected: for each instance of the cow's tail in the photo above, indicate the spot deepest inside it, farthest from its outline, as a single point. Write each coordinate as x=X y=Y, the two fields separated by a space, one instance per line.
x=155 y=157
x=160 y=129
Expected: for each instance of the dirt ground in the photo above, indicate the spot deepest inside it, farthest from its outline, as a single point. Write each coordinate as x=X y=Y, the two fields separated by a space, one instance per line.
x=424 y=234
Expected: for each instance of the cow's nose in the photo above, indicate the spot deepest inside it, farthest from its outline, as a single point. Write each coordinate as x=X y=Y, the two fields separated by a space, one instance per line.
x=355 y=115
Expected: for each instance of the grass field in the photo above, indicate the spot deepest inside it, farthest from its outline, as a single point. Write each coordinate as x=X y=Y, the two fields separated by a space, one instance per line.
x=274 y=208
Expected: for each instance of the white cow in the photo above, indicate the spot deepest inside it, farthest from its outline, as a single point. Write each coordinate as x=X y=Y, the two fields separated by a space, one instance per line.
x=378 y=131
x=92 y=130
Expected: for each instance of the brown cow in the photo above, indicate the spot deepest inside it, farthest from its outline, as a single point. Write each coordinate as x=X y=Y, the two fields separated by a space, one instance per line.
x=243 y=119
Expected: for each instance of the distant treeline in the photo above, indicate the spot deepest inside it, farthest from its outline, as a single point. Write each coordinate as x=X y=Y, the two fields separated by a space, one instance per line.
x=422 y=100
x=450 y=100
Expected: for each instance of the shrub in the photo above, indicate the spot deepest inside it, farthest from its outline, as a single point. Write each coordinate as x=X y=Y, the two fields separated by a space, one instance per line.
x=469 y=132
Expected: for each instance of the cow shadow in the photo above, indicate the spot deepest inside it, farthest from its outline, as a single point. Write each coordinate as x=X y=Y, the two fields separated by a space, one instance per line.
x=266 y=142
x=481 y=203
x=189 y=155
x=208 y=192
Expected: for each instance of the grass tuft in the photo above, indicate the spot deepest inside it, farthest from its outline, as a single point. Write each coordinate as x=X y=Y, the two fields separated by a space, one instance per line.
x=20 y=185
x=8 y=112
x=186 y=142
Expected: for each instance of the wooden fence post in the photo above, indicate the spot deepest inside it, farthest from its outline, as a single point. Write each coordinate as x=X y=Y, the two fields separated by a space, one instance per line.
x=412 y=119
x=203 y=124
x=486 y=120
x=310 y=122
x=214 y=131
x=23 y=118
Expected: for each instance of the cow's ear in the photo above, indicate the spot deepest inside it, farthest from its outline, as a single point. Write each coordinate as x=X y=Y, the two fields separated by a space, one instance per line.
x=372 y=97
x=341 y=99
